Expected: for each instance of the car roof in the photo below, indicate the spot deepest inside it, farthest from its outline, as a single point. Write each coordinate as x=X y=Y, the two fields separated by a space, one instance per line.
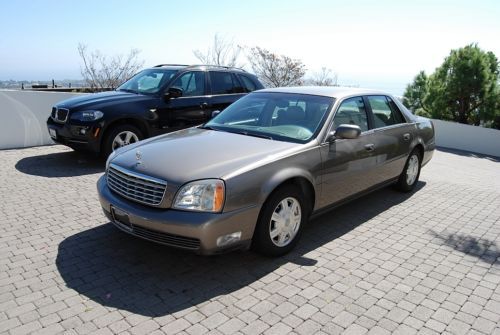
x=328 y=91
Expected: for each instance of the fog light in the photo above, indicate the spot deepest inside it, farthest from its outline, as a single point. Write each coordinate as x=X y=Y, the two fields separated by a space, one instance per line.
x=83 y=131
x=225 y=240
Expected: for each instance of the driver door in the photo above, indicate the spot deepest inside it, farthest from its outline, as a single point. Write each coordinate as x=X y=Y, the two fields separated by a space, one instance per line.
x=348 y=164
x=190 y=109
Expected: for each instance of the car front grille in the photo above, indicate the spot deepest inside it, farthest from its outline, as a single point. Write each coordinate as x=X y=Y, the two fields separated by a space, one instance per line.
x=136 y=187
x=160 y=237
x=59 y=115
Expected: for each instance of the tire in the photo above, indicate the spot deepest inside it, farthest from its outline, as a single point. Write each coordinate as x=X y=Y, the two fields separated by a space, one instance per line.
x=409 y=177
x=127 y=134
x=269 y=237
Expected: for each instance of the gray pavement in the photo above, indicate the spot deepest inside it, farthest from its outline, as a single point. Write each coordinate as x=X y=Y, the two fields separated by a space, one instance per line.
x=426 y=262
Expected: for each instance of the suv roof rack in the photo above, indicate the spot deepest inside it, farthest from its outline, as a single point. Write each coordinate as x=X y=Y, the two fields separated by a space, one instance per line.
x=219 y=66
x=160 y=65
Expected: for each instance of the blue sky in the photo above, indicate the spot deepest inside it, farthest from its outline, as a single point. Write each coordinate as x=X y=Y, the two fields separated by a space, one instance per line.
x=376 y=44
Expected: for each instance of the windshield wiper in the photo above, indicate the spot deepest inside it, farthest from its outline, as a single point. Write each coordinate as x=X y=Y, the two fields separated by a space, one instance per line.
x=254 y=134
x=128 y=90
x=203 y=126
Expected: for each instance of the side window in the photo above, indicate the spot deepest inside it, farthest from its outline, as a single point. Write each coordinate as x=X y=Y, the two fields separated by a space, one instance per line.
x=223 y=83
x=383 y=114
x=247 y=83
x=351 y=111
x=191 y=83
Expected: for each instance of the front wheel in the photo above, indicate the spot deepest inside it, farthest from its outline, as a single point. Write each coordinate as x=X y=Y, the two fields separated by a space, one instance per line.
x=409 y=177
x=281 y=221
x=120 y=136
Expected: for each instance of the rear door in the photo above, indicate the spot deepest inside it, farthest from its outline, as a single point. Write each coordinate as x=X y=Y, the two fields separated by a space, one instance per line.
x=393 y=136
x=348 y=164
x=225 y=89
x=192 y=108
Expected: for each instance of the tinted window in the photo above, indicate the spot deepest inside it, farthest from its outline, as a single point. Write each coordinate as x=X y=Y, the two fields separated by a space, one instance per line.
x=224 y=83
x=247 y=83
x=383 y=114
x=191 y=83
x=352 y=111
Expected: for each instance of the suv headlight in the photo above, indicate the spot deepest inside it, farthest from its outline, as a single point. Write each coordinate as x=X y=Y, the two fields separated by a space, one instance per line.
x=201 y=195
x=87 y=115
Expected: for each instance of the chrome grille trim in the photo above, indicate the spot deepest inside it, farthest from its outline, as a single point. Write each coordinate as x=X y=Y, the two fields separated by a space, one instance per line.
x=135 y=186
x=59 y=115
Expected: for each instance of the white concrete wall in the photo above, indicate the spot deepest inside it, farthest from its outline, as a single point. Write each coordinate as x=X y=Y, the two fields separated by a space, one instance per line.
x=23 y=115
x=469 y=138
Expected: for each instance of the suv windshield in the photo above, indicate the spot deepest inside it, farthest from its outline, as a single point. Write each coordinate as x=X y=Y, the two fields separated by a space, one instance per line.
x=148 y=81
x=280 y=116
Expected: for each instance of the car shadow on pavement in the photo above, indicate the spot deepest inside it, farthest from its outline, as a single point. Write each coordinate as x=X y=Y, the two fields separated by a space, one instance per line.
x=117 y=270
x=61 y=164
x=486 y=250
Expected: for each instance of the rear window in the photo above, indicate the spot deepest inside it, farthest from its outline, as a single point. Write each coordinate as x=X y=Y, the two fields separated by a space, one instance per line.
x=224 y=83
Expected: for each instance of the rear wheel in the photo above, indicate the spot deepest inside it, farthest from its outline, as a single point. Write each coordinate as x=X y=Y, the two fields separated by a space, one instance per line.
x=281 y=221
x=120 y=136
x=409 y=177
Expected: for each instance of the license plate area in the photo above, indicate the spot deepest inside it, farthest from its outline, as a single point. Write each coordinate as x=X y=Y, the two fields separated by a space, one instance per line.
x=121 y=218
x=53 y=133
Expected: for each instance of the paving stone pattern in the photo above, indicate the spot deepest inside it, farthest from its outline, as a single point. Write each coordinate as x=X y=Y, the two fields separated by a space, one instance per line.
x=426 y=262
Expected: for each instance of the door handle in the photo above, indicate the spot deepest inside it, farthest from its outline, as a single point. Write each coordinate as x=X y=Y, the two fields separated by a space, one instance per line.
x=203 y=105
x=369 y=147
x=406 y=137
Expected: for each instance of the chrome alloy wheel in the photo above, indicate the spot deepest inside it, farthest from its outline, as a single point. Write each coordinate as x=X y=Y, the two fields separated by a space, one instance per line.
x=124 y=138
x=412 y=169
x=285 y=222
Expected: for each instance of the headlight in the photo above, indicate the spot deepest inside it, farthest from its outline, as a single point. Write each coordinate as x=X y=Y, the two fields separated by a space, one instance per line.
x=87 y=115
x=201 y=195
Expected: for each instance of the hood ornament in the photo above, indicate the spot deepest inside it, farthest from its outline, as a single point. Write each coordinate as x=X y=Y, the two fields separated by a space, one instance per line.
x=138 y=156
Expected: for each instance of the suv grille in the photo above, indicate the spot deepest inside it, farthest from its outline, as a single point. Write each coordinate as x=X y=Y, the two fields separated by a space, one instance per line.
x=136 y=187
x=59 y=114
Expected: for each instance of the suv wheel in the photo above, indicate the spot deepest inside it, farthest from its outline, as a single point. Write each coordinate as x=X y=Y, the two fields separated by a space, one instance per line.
x=120 y=136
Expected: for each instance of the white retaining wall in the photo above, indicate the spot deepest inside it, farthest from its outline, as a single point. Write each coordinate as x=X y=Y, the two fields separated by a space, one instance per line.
x=459 y=136
x=23 y=115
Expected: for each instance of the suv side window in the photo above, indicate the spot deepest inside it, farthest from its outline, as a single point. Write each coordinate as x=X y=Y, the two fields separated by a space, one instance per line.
x=191 y=83
x=383 y=114
x=351 y=111
x=247 y=83
x=224 y=83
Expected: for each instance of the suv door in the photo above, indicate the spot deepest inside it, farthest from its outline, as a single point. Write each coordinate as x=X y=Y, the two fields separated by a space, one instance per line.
x=225 y=89
x=393 y=136
x=348 y=164
x=191 y=108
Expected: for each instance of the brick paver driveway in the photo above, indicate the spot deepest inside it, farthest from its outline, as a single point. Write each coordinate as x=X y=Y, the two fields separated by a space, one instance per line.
x=424 y=262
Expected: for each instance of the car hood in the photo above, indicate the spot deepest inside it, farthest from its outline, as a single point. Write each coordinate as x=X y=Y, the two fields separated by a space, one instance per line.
x=196 y=153
x=99 y=100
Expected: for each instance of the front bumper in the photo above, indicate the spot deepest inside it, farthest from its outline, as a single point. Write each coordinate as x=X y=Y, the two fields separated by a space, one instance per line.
x=181 y=229
x=70 y=134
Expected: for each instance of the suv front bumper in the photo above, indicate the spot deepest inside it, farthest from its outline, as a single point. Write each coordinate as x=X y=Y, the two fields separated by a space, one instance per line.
x=195 y=231
x=71 y=135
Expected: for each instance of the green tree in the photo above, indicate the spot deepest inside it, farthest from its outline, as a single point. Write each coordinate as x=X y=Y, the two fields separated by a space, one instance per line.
x=414 y=95
x=465 y=87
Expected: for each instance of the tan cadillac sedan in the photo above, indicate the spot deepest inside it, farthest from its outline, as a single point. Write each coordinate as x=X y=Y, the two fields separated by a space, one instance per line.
x=255 y=173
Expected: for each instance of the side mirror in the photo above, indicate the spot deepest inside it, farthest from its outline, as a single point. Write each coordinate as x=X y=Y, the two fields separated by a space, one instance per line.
x=172 y=93
x=215 y=113
x=347 y=131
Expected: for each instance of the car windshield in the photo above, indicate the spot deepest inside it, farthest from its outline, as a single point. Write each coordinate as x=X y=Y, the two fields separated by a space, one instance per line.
x=149 y=81
x=278 y=116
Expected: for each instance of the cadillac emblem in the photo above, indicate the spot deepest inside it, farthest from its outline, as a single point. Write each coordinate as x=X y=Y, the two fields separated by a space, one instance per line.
x=138 y=156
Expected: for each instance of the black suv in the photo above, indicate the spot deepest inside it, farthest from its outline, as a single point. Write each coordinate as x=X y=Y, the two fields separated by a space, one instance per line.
x=161 y=99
